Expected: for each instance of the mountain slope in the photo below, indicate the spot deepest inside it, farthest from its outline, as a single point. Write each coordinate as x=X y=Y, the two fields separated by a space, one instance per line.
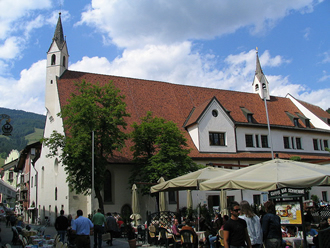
x=27 y=128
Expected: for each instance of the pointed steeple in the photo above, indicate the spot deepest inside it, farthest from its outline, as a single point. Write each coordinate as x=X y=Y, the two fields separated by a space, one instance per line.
x=58 y=35
x=260 y=84
x=259 y=72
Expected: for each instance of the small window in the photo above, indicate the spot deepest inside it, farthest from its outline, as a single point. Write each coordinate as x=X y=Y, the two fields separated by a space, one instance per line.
x=264 y=86
x=257 y=87
x=286 y=142
x=325 y=144
x=31 y=182
x=257 y=140
x=249 y=118
x=292 y=142
x=53 y=59
x=64 y=61
x=307 y=123
x=249 y=140
x=51 y=81
x=315 y=144
x=296 y=122
x=172 y=197
x=214 y=112
x=264 y=141
x=325 y=196
x=11 y=176
x=298 y=143
x=55 y=193
x=217 y=139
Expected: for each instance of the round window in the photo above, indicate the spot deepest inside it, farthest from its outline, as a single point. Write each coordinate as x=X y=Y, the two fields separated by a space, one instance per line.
x=214 y=113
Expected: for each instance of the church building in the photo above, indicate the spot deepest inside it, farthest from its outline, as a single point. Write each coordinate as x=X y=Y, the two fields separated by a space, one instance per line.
x=223 y=128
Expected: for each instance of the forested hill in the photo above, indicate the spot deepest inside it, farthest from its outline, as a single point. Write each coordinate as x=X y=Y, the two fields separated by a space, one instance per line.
x=27 y=128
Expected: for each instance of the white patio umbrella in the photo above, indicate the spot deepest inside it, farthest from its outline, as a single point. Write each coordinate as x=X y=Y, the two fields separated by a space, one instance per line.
x=271 y=175
x=190 y=181
x=162 y=200
x=135 y=206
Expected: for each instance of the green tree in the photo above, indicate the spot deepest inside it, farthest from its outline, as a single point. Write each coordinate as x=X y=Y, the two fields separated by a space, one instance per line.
x=159 y=149
x=94 y=108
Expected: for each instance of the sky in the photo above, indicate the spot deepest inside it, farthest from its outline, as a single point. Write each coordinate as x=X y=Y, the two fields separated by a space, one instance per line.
x=208 y=43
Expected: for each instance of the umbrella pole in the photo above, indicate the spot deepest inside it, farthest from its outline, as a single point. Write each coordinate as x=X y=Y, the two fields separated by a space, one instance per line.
x=177 y=201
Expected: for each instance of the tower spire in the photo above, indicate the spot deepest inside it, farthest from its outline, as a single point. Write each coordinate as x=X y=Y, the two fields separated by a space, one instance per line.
x=260 y=83
x=58 y=35
x=259 y=73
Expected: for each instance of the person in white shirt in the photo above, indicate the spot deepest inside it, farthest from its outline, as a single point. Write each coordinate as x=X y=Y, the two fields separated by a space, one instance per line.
x=253 y=224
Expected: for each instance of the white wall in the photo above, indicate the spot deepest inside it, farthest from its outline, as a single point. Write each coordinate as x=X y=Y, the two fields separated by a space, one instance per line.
x=277 y=139
x=221 y=123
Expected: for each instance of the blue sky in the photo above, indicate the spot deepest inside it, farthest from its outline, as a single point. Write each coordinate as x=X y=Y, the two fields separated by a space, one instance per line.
x=203 y=43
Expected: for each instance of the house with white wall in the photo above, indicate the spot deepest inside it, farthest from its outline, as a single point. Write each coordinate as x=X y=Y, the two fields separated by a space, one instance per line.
x=223 y=128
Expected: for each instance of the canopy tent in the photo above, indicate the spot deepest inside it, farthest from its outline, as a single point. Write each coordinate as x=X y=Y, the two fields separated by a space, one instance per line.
x=191 y=180
x=271 y=175
x=189 y=199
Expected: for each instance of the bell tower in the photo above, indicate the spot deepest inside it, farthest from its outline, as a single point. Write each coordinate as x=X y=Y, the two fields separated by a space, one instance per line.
x=57 y=63
x=260 y=84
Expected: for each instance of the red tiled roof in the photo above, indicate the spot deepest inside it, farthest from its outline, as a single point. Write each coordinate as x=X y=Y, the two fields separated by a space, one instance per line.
x=315 y=109
x=175 y=102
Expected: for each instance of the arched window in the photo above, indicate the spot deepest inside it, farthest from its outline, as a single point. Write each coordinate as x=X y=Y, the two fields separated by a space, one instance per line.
x=264 y=86
x=55 y=193
x=257 y=87
x=107 y=187
x=53 y=59
x=63 y=60
x=56 y=166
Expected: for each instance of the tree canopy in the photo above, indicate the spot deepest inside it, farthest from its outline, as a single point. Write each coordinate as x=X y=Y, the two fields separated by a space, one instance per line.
x=159 y=150
x=94 y=108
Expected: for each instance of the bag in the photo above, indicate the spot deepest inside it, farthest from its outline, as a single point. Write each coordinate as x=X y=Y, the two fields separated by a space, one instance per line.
x=106 y=236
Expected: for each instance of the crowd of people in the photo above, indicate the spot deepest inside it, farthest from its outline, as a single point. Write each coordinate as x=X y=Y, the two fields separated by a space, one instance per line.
x=244 y=228
x=79 y=230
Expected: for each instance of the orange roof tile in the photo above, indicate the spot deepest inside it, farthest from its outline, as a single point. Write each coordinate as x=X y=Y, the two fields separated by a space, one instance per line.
x=175 y=102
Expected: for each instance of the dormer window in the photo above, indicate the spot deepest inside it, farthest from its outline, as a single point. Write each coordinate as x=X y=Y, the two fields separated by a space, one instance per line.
x=248 y=114
x=217 y=139
x=249 y=118
x=307 y=123
x=295 y=122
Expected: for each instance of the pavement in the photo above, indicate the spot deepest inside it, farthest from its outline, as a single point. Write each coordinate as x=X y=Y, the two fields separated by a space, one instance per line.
x=7 y=235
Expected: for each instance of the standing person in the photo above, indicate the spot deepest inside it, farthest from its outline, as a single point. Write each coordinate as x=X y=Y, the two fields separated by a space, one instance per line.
x=61 y=225
x=82 y=227
x=271 y=227
x=235 y=233
x=112 y=227
x=99 y=221
x=253 y=224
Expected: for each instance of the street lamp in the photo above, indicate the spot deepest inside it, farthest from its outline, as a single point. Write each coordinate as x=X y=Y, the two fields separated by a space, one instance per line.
x=6 y=128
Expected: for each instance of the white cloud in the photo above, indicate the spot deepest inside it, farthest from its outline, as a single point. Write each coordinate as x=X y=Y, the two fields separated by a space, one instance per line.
x=326 y=58
x=11 y=48
x=325 y=77
x=178 y=64
x=307 y=32
x=28 y=92
x=136 y=23
x=11 y=19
